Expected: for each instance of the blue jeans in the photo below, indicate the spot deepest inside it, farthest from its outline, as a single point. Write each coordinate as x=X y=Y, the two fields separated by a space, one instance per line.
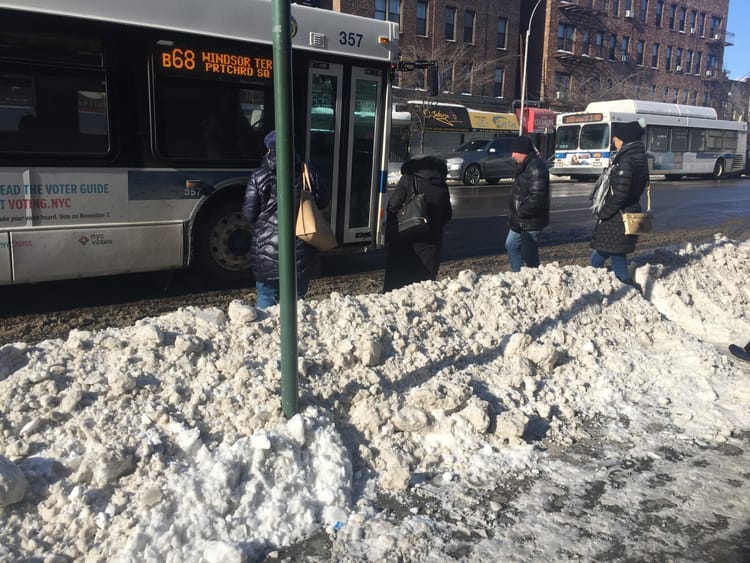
x=523 y=248
x=268 y=292
x=619 y=263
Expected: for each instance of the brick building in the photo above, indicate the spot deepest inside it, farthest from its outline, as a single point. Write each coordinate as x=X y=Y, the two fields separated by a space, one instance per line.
x=475 y=43
x=661 y=50
x=579 y=50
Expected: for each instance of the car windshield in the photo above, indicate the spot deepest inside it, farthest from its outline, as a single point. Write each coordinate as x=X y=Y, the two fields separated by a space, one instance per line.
x=475 y=145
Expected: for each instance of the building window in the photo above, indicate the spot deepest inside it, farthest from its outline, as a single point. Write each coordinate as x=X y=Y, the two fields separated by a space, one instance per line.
x=678 y=59
x=675 y=95
x=599 y=44
x=450 y=23
x=585 y=43
x=497 y=87
x=685 y=96
x=652 y=91
x=711 y=62
x=659 y=12
x=695 y=97
x=466 y=78
x=612 y=46
x=388 y=10
x=715 y=29
x=672 y=15
x=702 y=24
x=689 y=61
x=644 y=11
x=565 y=37
x=639 y=52
x=422 y=18
x=706 y=98
x=448 y=77
x=683 y=12
x=562 y=83
x=502 y=33
x=624 y=48
x=668 y=57
x=615 y=7
x=469 y=26
x=693 y=18
x=697 y=66
x=655 y=55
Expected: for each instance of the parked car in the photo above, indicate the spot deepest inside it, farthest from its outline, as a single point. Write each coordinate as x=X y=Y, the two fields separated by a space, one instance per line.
x=498 y=163
x=464 y=162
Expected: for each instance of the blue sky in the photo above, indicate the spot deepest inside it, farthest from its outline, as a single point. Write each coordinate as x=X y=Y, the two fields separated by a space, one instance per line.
x=735 y=57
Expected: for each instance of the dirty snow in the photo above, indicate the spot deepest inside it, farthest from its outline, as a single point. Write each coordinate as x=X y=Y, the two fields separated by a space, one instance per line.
x=550 y=414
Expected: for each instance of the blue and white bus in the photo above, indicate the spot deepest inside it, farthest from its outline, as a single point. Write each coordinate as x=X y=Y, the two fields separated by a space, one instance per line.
x=680 y=140
x=128 y=130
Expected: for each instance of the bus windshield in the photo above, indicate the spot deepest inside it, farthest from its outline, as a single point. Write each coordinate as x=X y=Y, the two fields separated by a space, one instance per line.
x=586 y=137
x=595 y=136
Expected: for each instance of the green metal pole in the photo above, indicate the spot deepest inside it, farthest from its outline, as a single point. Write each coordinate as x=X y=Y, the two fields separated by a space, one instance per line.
x=282 y=95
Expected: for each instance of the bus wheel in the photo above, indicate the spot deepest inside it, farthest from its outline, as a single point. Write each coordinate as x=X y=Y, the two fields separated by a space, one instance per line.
x=471 y=175
x=222 y=243
x=718 y=169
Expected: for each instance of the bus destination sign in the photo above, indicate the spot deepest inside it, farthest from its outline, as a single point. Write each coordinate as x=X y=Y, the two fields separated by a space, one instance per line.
x=212 y=63
x=582 y=118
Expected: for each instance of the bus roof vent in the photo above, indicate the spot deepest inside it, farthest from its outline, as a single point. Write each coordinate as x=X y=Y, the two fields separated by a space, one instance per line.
x=317 y=40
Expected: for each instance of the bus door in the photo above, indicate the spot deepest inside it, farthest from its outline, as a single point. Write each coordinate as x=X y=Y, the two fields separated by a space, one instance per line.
x=345 y=148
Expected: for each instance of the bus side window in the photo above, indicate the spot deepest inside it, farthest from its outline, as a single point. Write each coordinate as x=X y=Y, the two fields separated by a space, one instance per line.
x=697 y=140
x=658 y=139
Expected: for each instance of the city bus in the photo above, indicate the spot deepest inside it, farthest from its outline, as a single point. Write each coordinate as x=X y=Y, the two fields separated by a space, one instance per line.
x=128 y=130
x=680 y=140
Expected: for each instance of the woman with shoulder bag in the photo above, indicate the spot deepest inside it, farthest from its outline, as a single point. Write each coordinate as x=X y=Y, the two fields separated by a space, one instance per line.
x=260 y=207
x=417 y=258
x=621 y=192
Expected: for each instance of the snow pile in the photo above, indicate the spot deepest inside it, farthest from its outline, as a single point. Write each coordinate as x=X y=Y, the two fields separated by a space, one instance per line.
x=165 y=441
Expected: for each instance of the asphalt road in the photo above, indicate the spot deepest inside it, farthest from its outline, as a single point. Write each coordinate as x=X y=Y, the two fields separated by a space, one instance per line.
x=479 y=224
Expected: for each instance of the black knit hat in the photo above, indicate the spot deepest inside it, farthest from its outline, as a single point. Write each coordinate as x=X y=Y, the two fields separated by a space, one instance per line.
x=630 y=131
x=522 y=145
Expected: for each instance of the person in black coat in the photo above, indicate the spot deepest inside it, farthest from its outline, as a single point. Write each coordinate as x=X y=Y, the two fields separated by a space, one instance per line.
x=619 y=190
x=528 y=207
x=417 y=259
x=261 y=209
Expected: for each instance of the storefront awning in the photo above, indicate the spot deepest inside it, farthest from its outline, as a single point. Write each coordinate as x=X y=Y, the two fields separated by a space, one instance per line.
x=488 y=121
x=444 y=117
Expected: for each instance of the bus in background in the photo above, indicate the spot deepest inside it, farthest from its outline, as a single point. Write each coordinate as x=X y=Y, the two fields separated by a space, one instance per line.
x=128 y=130
x=680 y=140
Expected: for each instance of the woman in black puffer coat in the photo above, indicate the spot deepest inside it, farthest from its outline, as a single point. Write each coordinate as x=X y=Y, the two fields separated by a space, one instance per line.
x=417 y=259
x=261 y=209
x=628 y=178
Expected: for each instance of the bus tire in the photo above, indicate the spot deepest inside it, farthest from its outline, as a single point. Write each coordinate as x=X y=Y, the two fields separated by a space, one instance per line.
x=221 y=243
x=472 y=175
x=718 y=169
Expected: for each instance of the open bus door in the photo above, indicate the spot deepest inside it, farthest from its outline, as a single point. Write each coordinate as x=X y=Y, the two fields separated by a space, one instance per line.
x=344 y=140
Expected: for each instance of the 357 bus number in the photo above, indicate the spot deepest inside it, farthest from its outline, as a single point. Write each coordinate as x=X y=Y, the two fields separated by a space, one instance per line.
x=350 y=38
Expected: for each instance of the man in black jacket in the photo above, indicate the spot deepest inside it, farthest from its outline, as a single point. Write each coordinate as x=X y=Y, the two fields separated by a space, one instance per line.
x=528 y=210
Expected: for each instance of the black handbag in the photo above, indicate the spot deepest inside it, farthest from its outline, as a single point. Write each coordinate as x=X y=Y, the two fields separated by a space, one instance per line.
x=412 y=217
